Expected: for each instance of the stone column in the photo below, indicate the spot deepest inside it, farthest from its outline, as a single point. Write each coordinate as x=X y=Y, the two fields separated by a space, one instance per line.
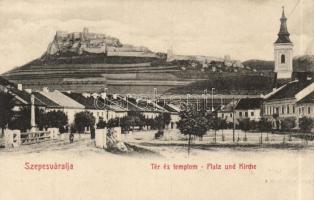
x=33 y=124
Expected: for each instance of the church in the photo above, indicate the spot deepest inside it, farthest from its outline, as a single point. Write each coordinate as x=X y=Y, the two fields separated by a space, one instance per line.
x=294 y=95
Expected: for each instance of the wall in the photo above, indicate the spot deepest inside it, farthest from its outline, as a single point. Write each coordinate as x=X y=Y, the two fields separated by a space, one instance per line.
x=285 y=108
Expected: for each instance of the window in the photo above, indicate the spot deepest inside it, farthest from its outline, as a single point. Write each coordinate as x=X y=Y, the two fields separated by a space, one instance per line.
x=288 y=109
x=246 y=114
x=309 y=110
x=240 y=114
x=252 y=114
x=293 y=109
x=282 y=110
x=283 y=59
x=222 y=115
x=230 y=114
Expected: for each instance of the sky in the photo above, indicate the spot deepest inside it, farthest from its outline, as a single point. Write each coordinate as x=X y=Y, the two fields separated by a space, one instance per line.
x=243 y=29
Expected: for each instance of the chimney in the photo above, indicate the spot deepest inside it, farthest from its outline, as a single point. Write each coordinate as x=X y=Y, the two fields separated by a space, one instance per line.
x=103 y=95
x=85 y=94
x=45 y=89
x=95 y=95
x=20 y=86
x=28 y=91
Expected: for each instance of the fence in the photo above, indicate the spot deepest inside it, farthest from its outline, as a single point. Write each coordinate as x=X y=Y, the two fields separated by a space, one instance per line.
x=35 y=137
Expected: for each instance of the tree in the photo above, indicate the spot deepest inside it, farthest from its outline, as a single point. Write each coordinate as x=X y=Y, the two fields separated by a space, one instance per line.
x=6 y=106
x=56 y=119
x=264 y=125
x=167 y=118
x=193 y=122
x=244 y=125
x=21 y=119
x=101 y=123
x=306 y=124
x=215 y=125
x=223 y=125
x=84 y=119
x=287 y=124
x=113 y=122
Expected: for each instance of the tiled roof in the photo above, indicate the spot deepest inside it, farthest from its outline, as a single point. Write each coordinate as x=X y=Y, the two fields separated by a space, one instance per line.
x=229 y=107
x=249 y=103
x=146 y=105
x=24 y=97
x=289 y=90
x=5 y=82
x=88 y=102
x=169 y=107
x=307 y=99
x=62 y=100
x=48 y=102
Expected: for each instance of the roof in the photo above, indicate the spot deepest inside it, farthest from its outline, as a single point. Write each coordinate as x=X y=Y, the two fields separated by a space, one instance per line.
x=229 y=106
x=5 y=82
x=283 y=35
x=249 y=103
x=289 y=90
x=48 y=102
x=88 y=102
x=169 y=107
x=307 y=99
x=24 y=97
x=146 y=105
x=62 y=100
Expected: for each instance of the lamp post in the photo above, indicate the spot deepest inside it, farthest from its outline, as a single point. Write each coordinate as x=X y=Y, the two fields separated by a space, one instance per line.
x=213 y=99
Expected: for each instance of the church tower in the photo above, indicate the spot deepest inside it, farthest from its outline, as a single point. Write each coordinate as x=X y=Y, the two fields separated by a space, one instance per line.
x=283 y=51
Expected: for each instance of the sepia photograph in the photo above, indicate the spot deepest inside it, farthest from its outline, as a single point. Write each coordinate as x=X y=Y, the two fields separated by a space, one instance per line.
x=157 y=100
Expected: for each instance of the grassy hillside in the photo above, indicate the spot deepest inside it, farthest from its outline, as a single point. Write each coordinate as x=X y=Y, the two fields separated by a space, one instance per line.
x=253 y=84
x=303 y=63
x=260 y=65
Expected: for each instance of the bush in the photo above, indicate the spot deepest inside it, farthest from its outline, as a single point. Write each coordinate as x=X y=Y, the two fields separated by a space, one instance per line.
x=159 y=134
x=113 y=123
x=84 y=119
x=287 y=124
x=101 y=123
x=56 y=119
x=306 y=124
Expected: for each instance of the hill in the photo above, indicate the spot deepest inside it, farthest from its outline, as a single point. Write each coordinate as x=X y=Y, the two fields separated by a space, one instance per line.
x=241 y=84
x=303 y=63
x=260 y=65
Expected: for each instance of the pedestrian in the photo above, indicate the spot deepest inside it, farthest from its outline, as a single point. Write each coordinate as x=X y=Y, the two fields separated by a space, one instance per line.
x=71 y=137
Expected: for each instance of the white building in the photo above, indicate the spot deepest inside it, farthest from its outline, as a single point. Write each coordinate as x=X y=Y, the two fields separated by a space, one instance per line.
x=283 y=51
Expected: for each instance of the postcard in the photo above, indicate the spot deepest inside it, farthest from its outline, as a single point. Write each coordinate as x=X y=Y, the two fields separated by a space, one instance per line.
x=157 y=100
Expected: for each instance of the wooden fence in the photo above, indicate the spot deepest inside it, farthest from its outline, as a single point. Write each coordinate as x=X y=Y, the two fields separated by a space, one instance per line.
x=35 y=137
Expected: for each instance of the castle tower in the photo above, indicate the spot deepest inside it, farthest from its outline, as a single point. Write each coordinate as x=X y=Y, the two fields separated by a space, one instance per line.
x=283 y=51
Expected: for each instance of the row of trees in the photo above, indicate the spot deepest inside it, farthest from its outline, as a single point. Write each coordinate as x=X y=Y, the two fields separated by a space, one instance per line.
x=136 y=119
x=196 y=123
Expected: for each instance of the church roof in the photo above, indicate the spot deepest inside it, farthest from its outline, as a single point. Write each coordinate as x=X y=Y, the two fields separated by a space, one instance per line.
x=283 y=35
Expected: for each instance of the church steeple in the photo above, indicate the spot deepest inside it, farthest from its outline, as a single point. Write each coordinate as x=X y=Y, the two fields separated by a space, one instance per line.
x=283 y=35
